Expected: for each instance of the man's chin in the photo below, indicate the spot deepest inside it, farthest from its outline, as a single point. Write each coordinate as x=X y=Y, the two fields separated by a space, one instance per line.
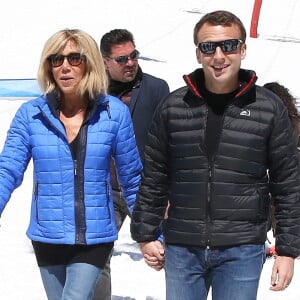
x=128 y=78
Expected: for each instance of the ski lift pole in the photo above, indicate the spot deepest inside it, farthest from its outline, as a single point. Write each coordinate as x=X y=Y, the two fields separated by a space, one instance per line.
x=255 y=18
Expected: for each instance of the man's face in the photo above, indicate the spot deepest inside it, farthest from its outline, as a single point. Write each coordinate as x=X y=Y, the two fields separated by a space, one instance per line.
x=221 y=68
x=124 y=72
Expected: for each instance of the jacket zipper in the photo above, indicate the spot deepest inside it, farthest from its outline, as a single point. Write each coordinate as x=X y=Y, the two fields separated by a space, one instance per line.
x=209 y=185
x=208 y=212
x=77 y=238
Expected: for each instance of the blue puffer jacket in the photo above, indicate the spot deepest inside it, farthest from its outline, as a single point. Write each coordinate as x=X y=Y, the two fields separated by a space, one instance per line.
x=71 y=201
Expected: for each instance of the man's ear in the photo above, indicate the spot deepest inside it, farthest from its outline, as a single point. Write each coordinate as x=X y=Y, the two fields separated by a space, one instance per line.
x=243 y=51
x=105 y=64
x=198 y=55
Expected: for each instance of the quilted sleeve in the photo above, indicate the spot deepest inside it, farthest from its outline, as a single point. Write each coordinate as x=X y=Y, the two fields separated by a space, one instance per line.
x=15 y=155
x=127 y=159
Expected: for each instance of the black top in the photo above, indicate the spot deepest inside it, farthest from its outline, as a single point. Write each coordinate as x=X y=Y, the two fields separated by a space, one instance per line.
x=54 y=254
x=217 y=104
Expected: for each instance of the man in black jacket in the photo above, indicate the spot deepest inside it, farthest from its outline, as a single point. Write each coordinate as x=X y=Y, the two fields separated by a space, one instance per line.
x=217 y=149
x=142 y=93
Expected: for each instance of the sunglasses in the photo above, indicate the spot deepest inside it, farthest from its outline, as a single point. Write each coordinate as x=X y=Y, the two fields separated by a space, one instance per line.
x=226 y=46
x=124 y=58
x=74 y=59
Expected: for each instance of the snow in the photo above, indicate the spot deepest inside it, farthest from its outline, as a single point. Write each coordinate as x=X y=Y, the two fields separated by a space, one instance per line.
x=163 y=32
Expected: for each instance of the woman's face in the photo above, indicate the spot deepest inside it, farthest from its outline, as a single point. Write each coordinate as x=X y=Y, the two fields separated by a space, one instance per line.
x=69 y=74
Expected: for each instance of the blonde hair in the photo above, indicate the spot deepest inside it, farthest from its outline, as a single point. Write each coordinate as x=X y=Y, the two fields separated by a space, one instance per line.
x=94 y=80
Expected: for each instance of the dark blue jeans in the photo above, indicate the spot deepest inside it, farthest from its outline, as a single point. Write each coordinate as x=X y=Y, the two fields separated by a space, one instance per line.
x=232 y=273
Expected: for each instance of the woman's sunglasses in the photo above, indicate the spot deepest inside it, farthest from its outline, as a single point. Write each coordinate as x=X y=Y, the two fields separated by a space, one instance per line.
x=74 y=59
x=226 y=46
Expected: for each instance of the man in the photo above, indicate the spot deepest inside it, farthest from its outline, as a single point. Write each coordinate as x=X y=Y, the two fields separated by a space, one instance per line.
x=142 y=93
x=216 y=150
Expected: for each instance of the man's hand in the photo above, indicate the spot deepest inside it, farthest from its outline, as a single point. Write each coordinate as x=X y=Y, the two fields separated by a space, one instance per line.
x=154 y=254
x=282 y=273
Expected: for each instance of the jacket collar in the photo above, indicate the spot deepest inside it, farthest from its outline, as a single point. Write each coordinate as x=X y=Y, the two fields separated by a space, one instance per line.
x=53 y=100
x=246 y=93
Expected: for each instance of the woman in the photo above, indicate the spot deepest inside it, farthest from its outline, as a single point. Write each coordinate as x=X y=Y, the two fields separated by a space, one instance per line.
x=290 y=103
x=70 y=132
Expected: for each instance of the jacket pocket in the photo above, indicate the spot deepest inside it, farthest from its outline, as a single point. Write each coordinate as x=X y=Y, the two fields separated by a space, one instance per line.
x=263 y=205
x=35 y=198
x=108 y=200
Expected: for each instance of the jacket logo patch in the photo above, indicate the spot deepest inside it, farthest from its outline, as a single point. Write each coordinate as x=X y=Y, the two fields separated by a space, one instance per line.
x=245 y=112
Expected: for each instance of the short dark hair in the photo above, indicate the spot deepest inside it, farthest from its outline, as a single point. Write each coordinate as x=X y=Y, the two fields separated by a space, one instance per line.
x=220 y=17
x=114 y=37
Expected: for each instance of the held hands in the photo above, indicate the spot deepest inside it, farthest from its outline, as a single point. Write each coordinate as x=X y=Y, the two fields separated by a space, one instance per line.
x=154 y=254
x=282 y=273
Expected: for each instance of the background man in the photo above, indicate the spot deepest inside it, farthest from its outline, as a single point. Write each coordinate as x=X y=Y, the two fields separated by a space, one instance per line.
x=142 y=93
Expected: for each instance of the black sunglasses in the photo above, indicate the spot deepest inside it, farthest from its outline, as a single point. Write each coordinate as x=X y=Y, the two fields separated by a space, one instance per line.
x=74 y=59
x=124 y=58
x=226 y=46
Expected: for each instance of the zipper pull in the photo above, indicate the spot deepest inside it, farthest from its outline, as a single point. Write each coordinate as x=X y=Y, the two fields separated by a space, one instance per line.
x=209 y=172
x=108 y=109
x=107 y=189
x=75 y=167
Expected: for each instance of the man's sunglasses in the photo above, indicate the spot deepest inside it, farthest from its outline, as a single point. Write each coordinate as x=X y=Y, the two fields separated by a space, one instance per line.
x=226 y=46
x=124 y=58
x=74 y=59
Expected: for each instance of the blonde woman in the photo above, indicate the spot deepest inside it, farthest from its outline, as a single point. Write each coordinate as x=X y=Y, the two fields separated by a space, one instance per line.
x=70 y=132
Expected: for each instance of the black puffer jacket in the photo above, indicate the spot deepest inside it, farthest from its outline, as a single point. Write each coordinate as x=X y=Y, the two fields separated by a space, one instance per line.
x=226 y=202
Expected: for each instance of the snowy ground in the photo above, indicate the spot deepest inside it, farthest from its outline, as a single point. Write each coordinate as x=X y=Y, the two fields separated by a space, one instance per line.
x=163 y=32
